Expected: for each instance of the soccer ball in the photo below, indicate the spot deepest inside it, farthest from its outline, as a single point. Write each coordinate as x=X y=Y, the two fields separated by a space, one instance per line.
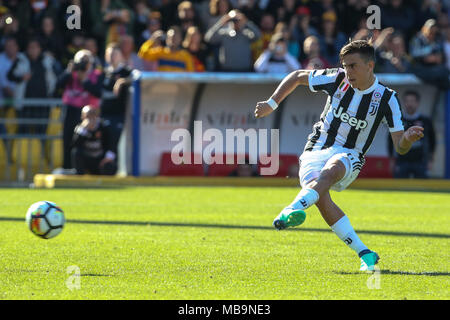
x=45 y=219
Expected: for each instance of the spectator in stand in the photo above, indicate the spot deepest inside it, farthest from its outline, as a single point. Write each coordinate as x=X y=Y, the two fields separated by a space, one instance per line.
x=331 y=39
x=50 y=39
x=7 y=87
x=153 y=24
x=428 y=54
x=399 y=16
x=115 y=92
x=76 y=44
x=425 y=10
x=157 y=40
x=303 y=29
x=350 y=14
x=250 y=9
x=169 y=11
x=130 y=57
x=276 y=58
x=234 y=33
x=141 y=21
x=187 y=17
x=284 y=10
x=314 y=60
x=111 y=19
x=82 y=85
x=395 y=59
x=318 y=9
x=293 y=47
x=91 y=45
x=193 y=42
x=217 y=9
x=172 y=57
x=39 y=9
x=266 y=26
x=92 y=145
x=119 y=18
x=425 y=47
x=38 y=81
x=417 y=162
x=7 y=58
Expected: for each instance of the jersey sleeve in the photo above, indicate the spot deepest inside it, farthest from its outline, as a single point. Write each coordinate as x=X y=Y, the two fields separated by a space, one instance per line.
x=148 y=52
x=326 y=80
x=393 y=116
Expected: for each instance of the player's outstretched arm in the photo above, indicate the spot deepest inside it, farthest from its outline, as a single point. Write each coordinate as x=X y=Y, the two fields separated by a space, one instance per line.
x=286 y=86
x=403 y=140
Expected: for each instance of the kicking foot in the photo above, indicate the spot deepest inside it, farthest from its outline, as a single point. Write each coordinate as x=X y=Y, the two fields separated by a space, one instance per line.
x=289 y=217
x=369 y=260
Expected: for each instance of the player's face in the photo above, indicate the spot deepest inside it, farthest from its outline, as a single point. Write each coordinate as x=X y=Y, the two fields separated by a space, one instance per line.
x=359 y=71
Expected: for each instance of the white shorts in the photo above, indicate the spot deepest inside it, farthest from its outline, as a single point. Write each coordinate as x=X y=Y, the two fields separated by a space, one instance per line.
x=312 y=163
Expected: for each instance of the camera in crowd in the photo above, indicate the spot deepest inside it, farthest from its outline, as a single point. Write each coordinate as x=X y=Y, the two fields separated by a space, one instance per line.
x=82 y=65
x=82 y=60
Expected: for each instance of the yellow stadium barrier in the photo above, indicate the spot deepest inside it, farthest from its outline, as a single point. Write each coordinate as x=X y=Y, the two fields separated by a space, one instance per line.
x=90 y=181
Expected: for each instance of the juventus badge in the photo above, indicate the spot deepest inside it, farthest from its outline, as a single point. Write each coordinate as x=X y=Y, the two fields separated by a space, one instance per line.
x=375 y=103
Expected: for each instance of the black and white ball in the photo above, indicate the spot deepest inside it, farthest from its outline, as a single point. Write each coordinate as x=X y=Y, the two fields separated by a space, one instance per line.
x=45 y=219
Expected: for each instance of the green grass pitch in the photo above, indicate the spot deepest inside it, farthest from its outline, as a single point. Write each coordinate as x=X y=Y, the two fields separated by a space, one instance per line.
x=218 y=243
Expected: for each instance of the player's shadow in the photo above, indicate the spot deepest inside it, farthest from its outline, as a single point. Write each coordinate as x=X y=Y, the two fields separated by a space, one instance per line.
x=403 y=273
x=232 y=226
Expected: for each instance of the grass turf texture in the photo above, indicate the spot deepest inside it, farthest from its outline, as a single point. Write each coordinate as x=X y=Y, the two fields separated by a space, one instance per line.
x=218 y=243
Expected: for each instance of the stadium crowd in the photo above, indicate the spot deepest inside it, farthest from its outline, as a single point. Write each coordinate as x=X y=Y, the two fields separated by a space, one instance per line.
x=229 y=35
x=40 y=57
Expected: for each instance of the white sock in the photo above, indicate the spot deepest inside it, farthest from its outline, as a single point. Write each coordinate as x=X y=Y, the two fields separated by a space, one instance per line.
x=305 y=199
x=345 y=232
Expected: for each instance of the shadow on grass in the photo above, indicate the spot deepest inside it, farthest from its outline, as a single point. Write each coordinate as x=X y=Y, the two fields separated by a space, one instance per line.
x=247 y=227
x=401 y=190
x=407 y=273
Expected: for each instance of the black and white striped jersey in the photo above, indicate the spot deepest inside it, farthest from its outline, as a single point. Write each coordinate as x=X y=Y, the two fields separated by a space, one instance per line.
x=351 y=117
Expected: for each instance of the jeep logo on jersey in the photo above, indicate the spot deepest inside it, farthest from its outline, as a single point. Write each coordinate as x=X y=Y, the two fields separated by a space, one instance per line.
x=346 y=118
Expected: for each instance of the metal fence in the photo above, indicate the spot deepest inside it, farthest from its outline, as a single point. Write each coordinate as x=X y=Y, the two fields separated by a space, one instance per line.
x=30 y=138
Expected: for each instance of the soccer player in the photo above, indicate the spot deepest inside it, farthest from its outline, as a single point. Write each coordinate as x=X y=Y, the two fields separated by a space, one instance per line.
x=334 y=154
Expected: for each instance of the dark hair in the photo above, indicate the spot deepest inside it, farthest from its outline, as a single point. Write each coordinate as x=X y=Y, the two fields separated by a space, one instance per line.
x=10 y=38
x=363 y=47
x=34 y=39
x=412 y=93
